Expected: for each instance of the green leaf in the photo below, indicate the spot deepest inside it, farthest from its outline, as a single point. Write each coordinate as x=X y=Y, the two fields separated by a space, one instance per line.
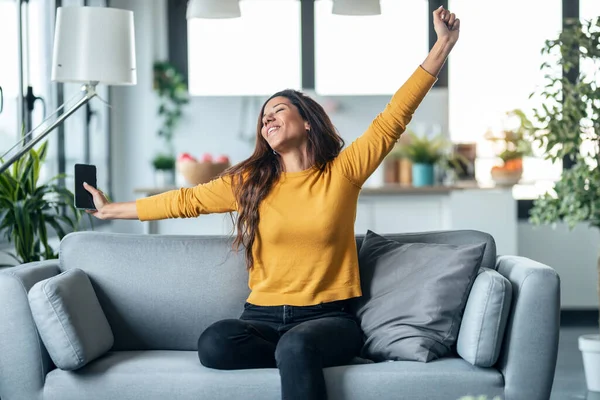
x=28 y=208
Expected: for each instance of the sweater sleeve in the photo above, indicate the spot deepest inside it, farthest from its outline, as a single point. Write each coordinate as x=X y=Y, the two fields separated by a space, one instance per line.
x=215 y=196
x=362 y=157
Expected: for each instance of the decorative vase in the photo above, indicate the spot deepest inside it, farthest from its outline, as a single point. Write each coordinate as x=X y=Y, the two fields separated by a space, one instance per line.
x=422 y=175
x=405 y=171
x=390 y=171
x=164 y=178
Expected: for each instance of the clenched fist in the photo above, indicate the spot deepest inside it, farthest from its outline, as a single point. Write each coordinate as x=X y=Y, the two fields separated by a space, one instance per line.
x=446 y=25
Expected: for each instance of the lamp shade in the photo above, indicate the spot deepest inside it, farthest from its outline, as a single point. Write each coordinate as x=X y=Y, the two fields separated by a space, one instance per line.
x=213 y=9
x=356 y=7
x=94 y=44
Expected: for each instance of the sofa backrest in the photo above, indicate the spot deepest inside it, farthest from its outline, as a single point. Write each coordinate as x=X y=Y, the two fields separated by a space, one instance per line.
x=158 y=291
x=162 y=291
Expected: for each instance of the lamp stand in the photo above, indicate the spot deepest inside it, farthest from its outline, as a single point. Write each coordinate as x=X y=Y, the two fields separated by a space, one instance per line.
x=90 y=92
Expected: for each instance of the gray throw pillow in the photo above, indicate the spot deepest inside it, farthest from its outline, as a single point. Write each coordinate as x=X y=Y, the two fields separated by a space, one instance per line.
x=484 y=320
x=413 y=298
x=69 y=319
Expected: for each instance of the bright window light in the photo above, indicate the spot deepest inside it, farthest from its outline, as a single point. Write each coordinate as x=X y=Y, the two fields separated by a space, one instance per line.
x=9 y=74
x=257 y=54
x=492 y=71
x=369 y=55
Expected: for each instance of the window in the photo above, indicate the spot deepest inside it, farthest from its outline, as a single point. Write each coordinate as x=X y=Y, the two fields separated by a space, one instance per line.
x=83 y=144
x=9 y=75
x=257 y=54
x=37 y=29
x=369 y=55
x=41 y=34
x=492 y=71
x=588 y=10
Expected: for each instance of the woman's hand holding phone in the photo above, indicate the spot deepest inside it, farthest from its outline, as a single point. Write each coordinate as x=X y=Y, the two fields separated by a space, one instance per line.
x=100 y=201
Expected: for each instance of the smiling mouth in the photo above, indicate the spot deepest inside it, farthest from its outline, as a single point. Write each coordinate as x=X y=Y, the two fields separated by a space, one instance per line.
x=272 y=130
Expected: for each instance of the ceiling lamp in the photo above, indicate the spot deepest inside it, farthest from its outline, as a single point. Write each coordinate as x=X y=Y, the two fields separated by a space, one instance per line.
x=213 y=9
x=356 y=7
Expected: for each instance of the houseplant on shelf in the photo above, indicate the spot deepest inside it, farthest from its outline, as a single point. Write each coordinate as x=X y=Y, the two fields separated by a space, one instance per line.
x=171 y=89
x=424 y=153
x=28 y=208
x=570 y=127
x=512 y=144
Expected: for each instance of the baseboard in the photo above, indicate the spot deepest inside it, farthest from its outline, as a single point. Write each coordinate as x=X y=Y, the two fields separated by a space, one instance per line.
x=579 y=317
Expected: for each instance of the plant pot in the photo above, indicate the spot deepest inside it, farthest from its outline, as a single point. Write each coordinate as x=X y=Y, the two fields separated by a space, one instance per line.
x=390 y=171
x=164 y=178
x=590 y=351
x=405 y=171
x=196 y=173
x=422 y=175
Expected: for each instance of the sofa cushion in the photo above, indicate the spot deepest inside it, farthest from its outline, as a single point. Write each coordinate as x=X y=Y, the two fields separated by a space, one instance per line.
x=159 y=375
x=457 y=237
x=413 y=296
x=486 y=312
x=69 y=319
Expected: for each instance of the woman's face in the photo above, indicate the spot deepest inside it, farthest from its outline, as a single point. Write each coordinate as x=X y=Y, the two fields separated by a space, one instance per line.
x=282 y=125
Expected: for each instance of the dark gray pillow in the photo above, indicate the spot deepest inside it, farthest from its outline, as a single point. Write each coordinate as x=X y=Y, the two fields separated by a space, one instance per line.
x=413 y=298
x=69 y=319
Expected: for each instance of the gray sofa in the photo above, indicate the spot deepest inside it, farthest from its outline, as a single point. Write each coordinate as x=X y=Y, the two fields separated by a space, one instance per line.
x=160 y=292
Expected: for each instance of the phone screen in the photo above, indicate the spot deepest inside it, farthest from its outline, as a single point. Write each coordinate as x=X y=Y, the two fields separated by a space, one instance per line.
x=83 y=198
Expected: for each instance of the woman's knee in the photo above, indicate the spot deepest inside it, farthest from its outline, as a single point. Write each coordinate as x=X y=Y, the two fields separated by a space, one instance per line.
x=215 y=345
x=294 y=345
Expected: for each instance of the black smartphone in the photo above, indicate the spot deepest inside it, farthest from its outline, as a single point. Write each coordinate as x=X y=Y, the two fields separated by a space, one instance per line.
x=83 y=198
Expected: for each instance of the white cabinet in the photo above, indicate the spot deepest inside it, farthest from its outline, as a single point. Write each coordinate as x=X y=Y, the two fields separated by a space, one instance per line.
x=489 y=210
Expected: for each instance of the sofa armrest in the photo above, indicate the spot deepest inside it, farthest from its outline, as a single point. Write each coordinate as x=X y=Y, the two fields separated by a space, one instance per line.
x=528 y=356
x=24 y=361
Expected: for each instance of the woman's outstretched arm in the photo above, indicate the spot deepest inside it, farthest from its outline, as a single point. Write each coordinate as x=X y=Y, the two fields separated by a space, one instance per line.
x=360 y=159
x=215 y=196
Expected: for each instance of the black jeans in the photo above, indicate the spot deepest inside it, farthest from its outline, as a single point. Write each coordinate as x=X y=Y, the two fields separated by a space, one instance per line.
x=300 y=341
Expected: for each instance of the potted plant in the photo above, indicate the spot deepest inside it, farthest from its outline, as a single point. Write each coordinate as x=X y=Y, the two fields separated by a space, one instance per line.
x=512 y=144
x=28 y=208
x=570 y=128
x=424 y=153
x=164 y=170
x=171 y=89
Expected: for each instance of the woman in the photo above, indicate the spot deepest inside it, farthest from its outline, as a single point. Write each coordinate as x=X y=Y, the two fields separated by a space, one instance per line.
x=302 y=270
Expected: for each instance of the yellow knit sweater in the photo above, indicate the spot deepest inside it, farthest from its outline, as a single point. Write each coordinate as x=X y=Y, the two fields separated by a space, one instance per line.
x=305 y=251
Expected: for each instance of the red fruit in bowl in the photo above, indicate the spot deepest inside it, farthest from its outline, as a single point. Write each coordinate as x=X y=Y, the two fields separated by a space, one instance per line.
x=186 y=157
x=206 y=157
x=222 y=159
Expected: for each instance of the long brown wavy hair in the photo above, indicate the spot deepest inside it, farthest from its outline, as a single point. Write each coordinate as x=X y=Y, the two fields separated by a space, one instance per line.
x=253 y=178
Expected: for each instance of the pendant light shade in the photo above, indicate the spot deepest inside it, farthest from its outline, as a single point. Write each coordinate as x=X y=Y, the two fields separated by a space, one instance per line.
x=213 y=9
x=356 y=7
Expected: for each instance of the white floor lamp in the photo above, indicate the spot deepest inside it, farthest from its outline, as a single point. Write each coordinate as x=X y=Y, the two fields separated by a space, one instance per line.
x=92 y=45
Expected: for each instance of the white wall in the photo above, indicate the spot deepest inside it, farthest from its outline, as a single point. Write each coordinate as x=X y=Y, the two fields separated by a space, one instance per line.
x=213 y=125
x=573 y=254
